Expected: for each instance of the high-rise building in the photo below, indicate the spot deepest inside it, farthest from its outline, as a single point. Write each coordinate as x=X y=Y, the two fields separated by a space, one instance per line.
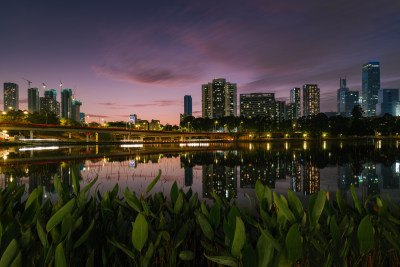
x=66 y=103
x=396 y=108
x=387 y=99
x=311 y=99
x=280 y=111
x=11 y=97
x=33 y=100
x=371 y=83
x=76 y=110
x=219 y=99
x=257 y=104
x=295 y=99
x=49 y=102
x=187 y=105
x=346 y=99
x=290 y=111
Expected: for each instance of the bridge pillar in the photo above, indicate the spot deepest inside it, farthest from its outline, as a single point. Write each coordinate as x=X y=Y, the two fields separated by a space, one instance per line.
x=69 y=135
x=182 y=138
x=141 y=138
x=31 y=134
x=97 y=137
x=87 y=137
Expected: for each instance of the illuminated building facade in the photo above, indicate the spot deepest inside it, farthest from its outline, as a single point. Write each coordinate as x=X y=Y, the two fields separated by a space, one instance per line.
x=154 y=125
x=311 y=179
x=387 y=100
x=187 y=101
x=33 y=100
x=49 y=102
x=219 y=99
x=11 y=97
x=257 y=104
x=280 y=111
x=371 y=83
x=295 y=99
x=311 y=99
x=66 y=103
x=76 y=110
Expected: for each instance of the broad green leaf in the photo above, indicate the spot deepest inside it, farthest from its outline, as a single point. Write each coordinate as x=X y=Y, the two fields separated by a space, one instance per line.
x=59 y=188
x=293 y=243
x=75 y=181
x=215 y=216
x=249 y=256
x=140 y=232
x=186 y=255
x=260 y=191
x=17 y=262
x=204 y=209
x=365 y=234
x=284 y=209
x=239 y=238
x=42 y=235
x=224 y=260
x=334 y=228
x=357 y=203
x=268 y=195
x=153 y=183
x=9 y=254
x=270 y=238
x=148 y=255
x=178 y=204
x=265 y=251
x=295 y=204
x=318 y=207
x=89 y=186
x=33 y=196
x=124 y=249
x=131 y=200
x=60 y=256
x=340 y=201
x=206 y=227
x=181 y=235
x=60 y=214
x=85 y=235
x=174 y=192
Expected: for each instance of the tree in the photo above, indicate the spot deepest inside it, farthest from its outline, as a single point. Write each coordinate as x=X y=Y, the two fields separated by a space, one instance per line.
x=357 y=112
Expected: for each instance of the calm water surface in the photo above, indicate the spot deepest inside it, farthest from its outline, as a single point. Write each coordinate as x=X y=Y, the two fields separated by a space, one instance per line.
x=232 y=170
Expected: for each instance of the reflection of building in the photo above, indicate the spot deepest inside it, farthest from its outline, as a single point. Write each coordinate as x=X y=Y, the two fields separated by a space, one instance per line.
x=222 y=179
x=311 y=179
x=219 y=99
x=294 y=172
x=311 y=99
x=390 y=176
x=249 y=174
x=345 y=176
x=370 y=179
x=11 y=97
x=188 y=176
x=371 y=83
x=257 y=104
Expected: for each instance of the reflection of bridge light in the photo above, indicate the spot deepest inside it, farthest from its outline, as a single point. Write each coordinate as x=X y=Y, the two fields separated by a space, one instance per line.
x=28 y=139
x=305 y=145
x=39 y=148
x=324 y=144
x=194 y=144
x=133 y=145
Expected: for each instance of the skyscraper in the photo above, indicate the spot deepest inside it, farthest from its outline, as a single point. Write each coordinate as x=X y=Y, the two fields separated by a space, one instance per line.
x=219 y=99
x=76 y=110
x=371 y=83
x=66 y=103
x=187 y=105
x=295 y=99
x=49 y=102
x=257 y=104
x=387 y=100
x=346 y=99
x=280 y=110
x=11 y=97
x=290 y=111
x=311 y=99
x=33 y=100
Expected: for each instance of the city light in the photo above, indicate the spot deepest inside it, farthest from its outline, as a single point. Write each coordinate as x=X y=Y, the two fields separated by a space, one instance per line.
x=39 y=148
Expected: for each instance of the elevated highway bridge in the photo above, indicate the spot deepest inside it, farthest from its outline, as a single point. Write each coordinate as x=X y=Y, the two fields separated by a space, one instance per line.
x=127 y=134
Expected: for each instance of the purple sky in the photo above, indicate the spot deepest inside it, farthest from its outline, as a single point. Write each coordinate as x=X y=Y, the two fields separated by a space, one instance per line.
x=124 y=57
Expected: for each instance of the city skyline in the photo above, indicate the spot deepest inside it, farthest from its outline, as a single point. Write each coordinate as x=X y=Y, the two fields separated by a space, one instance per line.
x=150 y=57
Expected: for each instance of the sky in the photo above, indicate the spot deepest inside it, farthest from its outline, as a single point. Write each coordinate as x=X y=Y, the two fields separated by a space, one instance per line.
x=141 y=57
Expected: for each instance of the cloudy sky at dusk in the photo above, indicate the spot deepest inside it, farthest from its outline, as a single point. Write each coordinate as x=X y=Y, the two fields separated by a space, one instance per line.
x=125 y=57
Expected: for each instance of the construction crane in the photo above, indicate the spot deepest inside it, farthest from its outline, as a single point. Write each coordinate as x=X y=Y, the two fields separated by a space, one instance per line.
x=60 y=85
x=29 y=82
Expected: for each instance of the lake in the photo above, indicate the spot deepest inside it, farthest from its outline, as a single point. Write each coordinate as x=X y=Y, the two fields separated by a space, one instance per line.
x=230 y=169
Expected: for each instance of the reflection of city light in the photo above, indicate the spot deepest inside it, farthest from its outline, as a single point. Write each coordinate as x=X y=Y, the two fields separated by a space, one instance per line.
x=194 y=144
x=286 y=145
x=133 y=145
x=11 y=179
x=341 y=144
x=379 y=144
x=251 y=147
x=397 y=168
x=304 y=145
x=268 y=146
x=324 y=144
x=5 y=157
x=39 y=148
x=28 y=139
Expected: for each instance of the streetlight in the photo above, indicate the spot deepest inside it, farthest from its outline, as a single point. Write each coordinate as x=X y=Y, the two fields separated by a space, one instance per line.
x=189 y=125
x=215 y=126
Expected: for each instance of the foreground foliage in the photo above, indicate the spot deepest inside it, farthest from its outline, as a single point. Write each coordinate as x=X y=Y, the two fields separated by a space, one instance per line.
x=86 y=228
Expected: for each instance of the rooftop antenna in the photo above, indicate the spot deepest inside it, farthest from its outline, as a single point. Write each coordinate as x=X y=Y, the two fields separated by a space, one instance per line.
x=60 y=85
x=44 y=87
x=29 y=82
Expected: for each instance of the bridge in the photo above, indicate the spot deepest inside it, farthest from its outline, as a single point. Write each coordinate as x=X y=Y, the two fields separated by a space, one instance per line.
x=127 y=134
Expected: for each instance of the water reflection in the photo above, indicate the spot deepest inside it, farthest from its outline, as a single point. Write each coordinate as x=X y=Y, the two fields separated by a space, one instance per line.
x=229 y=170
